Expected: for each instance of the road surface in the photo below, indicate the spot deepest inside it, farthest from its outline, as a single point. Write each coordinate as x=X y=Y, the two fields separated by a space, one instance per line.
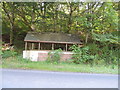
x=12 y=78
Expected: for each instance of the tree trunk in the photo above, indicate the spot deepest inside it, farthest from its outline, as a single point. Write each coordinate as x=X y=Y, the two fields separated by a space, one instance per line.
x=70 y=20
x=11 y=19
x=12 y=26
x=72 y=9
x=11 y=33
x=88 y=21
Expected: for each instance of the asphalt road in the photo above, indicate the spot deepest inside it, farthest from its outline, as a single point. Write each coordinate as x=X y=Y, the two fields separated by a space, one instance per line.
x=45 y=79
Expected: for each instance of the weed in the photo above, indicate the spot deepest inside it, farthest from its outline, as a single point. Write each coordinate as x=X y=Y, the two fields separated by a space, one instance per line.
x=8 y=53
x=54 y=56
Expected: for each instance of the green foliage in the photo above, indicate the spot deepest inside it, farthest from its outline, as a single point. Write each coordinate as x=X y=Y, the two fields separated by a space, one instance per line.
x=94 y=21
x=106 y=38
x=54 y=56
x=93 y=54
x=1 y=53
x=8 y=53
x=81 y=55
x=20 y=58
x=0 y=50
x=19 y=63
x=109 y=56
x=48 y=16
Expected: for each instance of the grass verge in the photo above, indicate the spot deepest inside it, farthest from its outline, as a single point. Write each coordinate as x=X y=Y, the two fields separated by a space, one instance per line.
x=20 y=63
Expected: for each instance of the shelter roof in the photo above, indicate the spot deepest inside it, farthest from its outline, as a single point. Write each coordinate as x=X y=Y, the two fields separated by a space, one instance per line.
x=49 y=37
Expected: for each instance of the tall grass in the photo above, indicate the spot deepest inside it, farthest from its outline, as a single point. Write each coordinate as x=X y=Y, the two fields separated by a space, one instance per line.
x=18 y=62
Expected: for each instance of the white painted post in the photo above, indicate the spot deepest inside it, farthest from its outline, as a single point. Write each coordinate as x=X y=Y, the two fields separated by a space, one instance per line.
x=52 y=46
x=25 y=45
x=66 y=47
x=39 y=47
x=32 y=46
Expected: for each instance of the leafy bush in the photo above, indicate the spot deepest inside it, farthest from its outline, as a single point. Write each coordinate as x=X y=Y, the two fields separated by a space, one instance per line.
x=21 y=59
x=54 y=56
x=81 y=55
x=106 y=38
x=1 y=51
x=109 y=56
x=93 y=54
x=8 y=53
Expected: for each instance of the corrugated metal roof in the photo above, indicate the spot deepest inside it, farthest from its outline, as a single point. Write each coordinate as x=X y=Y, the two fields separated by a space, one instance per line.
x=52 y=37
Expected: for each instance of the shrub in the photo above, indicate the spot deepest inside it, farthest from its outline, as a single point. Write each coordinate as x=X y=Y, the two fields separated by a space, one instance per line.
x=21 y=59
x=95 y=55
x=8 y=53
x=81 y=55
x=54 y=56
x=1 y=51
x=109 y=56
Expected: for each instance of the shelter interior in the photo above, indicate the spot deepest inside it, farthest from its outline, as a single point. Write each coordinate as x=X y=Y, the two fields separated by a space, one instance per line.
x=50 y=41
x=47 y=46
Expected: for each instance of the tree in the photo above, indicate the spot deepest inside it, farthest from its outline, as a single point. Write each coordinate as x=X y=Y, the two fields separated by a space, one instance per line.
x=9 y=9
x=83 y=18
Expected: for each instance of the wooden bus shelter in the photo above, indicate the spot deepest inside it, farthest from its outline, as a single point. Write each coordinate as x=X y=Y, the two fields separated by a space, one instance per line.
x=49 y=41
